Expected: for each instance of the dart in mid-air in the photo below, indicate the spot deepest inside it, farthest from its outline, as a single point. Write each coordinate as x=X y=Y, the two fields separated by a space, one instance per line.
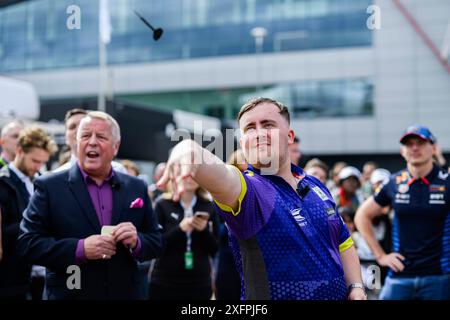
x=157 y=33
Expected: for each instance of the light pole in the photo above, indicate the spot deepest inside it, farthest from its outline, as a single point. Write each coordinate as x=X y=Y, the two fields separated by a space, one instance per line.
x=259 y=33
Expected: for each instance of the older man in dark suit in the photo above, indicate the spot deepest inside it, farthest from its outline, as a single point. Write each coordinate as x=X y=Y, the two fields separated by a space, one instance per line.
x=92 y=217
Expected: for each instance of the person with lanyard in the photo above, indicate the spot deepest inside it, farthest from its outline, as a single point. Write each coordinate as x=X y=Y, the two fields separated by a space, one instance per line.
x=191 y=234
x=419 y=194
x=288 y=240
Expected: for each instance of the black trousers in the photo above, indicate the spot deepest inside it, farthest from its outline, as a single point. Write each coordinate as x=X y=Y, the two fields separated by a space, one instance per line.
x=37 y=288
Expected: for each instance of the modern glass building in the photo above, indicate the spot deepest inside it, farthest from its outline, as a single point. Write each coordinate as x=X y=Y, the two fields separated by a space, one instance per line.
x=35 y=37
x=319 y=57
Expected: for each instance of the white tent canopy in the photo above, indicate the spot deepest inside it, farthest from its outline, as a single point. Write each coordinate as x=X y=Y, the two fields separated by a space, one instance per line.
x=18 y=99
x=196 y=123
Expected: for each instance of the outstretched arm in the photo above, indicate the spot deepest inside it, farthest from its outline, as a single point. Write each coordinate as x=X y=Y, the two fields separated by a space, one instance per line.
x=189 y=159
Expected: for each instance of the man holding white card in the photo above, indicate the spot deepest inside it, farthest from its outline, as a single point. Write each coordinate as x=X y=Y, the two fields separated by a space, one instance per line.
x=93 y=217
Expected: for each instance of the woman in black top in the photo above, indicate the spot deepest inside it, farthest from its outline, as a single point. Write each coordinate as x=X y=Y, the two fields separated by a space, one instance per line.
x=190 y=229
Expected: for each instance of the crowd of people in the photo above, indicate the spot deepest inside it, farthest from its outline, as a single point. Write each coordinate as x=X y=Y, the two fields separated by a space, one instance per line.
x=214 y=230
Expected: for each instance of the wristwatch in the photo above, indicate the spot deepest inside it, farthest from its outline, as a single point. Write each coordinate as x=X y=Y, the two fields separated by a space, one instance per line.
x=357 y=285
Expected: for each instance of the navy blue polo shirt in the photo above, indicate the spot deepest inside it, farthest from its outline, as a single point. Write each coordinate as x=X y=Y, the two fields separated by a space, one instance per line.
x=421 y=226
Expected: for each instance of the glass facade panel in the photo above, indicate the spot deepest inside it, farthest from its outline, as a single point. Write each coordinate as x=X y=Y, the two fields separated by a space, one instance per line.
x=306 y=99
x=34 y=36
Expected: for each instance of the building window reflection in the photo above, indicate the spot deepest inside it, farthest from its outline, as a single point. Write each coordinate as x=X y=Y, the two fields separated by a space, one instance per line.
x=34 y=36
x=306 y=99
x=327 y=98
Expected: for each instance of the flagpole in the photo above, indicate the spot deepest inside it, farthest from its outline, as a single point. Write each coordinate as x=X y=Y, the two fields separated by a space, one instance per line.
x=102 y=76
x=104 y=37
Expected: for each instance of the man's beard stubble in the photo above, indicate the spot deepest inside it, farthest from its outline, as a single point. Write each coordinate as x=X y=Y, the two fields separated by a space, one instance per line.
x=21 y=166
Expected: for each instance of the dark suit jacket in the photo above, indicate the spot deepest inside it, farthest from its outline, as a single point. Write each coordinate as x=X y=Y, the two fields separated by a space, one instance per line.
x=14 y=197
x=61 y=212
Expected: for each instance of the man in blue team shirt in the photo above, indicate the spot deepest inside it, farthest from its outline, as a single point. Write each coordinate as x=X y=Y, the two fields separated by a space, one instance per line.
x=420 y=261
x=288 y=240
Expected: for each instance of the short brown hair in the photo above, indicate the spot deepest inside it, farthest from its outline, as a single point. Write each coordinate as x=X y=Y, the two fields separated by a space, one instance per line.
x=316 y=162
x=73 y=112
x=130 y=165
x=36 y=138
x=249 y=105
